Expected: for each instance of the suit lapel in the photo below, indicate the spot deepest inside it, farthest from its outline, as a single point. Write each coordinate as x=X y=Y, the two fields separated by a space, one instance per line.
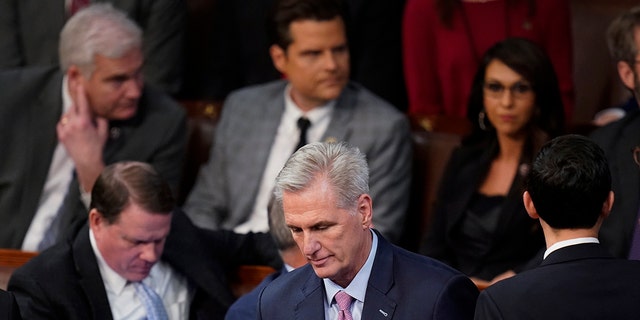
x=90 y=278
x=260 y=132
x=471 y=174
x=377 y=304
x=339 y=128
x=512 y=205
x=312 y=306
x=43 y=119
x=121 y=130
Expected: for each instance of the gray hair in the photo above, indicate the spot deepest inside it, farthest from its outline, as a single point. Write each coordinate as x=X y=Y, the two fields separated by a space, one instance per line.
x=621 y=36
x=97 y=29
x=344 y=167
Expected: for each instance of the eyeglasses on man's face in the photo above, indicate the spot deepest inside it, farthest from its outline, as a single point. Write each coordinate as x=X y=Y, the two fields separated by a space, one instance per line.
x=518 y=90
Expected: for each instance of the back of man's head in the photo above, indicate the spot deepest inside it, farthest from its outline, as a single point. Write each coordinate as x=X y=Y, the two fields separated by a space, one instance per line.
x=569 y=182
x=621 y=36
x=284 y=12
x=121 y=183
x=97 y=29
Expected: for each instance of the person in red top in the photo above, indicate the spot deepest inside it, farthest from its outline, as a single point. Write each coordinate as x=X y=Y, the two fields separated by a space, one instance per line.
x=443 y=41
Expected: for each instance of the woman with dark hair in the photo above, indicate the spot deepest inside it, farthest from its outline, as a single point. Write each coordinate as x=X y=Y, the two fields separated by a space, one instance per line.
x=443 y=43
x=480 y=225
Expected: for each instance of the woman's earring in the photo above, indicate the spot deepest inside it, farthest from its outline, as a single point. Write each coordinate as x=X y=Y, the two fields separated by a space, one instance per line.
x=481 y=117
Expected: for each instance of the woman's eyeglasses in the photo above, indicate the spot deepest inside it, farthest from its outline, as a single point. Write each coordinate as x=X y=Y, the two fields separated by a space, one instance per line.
x=496 y=89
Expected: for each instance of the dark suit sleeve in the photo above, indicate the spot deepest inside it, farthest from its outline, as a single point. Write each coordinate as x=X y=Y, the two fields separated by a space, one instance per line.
x=164 y=29
x=10 y=53
x=30 y=296
x=8 y=306
x=171 y=149
x=237 y=249
x=486 y=308
x=457 y=300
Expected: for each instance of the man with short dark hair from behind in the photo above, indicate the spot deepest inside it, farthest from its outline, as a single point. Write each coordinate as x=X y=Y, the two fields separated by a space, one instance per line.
x=569 y=191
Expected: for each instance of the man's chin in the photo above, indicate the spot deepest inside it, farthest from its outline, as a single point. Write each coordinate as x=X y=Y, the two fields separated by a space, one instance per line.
x=124 y=113
x=137 y=276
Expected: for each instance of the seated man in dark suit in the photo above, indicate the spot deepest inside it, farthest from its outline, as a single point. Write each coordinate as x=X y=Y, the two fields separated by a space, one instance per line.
x=60 y=129
x=353 y=271
x=135 y=243
x=261 y=126
x=569 y=191
x=245 y=307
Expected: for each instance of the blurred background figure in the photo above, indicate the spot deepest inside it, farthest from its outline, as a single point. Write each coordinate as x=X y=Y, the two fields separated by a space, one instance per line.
x=30 y=32
x=480 y=225
x=621 y=143
x=63 y=125
x=240 y=48
x=262 y=125
x=443 y=43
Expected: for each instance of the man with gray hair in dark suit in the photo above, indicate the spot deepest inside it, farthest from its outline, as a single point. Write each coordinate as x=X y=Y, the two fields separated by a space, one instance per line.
x=353 y=271
x=62 y=126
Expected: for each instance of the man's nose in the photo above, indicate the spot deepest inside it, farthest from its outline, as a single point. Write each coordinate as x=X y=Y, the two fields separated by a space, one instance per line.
x=150 y=252
x=311 y=244
x=133 y=88
x=330 y=61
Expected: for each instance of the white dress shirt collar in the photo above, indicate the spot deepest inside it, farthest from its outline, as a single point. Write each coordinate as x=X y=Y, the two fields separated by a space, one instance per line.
x=112 y=280
x=570 y=242
x=319 y=116
x=356 y=289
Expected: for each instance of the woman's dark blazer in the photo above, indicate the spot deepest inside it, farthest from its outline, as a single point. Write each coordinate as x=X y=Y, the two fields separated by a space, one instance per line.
x=517 y=239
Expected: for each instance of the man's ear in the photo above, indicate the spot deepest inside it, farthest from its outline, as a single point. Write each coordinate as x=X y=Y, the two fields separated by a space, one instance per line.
x=278 y=57
x=607 y=205
x=529 y=206
x=96 y=220
x=365 y=209
x=74 y=78
x=627 y=75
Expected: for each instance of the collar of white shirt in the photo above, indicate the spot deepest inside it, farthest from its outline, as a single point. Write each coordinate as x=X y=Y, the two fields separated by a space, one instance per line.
x=319 y=117
x=358 y=286
x=570 y=242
